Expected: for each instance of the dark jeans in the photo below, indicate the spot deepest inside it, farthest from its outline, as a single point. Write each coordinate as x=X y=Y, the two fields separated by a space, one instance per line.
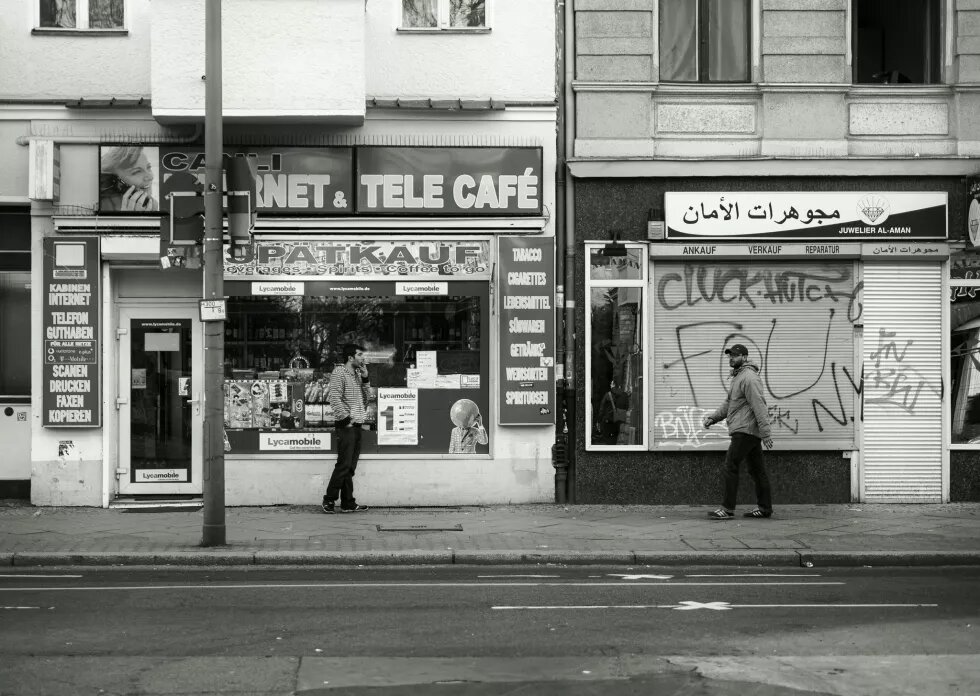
x=749 y=448
x=342 y=479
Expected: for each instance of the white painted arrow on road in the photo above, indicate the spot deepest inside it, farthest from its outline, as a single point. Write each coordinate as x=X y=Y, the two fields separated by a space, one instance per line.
x=640 y=577
x=688 y=605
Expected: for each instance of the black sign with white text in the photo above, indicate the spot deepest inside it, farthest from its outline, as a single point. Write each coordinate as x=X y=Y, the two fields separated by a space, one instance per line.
x=72 y=353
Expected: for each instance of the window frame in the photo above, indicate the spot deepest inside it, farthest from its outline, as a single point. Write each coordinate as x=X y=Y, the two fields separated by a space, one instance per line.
x=643 y=284
x=940 y=53
x=442 y=25
x=81 y=21
x=954 y=283
x=703 y=55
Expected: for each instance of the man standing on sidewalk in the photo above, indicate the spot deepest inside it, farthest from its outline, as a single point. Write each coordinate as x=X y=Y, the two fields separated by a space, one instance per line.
x=748 y=424
x=348 y=396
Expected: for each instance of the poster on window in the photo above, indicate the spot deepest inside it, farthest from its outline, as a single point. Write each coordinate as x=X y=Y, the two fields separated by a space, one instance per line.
x=398 y=416
x=527 y=330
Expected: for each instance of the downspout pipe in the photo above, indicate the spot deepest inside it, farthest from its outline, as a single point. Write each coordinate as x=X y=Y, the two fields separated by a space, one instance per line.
x=560 y=450
x=565 y=232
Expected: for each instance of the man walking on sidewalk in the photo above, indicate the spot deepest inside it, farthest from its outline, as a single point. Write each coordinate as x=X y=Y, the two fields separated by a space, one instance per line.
x=748 y=424
x=348 y=396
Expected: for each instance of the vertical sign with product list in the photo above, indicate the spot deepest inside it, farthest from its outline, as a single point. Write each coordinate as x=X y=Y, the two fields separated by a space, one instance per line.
x=527 y=330
x=72 y=354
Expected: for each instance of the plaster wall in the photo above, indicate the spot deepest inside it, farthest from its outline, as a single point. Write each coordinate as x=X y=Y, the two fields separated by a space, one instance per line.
x=72 y=64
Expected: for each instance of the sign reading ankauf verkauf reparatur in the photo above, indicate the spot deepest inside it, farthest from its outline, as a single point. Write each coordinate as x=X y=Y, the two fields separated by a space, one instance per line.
x=449 y=180
x=72 y=353
x=526 y=271
x=802 y=215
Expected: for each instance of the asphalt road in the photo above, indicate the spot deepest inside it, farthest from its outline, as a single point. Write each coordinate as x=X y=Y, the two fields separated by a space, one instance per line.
x=490 y=630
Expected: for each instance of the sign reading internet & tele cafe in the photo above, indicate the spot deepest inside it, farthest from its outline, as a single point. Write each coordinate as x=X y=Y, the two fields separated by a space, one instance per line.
x=527 y=330
x=71 y=322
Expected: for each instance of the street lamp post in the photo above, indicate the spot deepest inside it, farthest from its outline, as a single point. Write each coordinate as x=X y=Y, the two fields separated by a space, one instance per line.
x=214 y=348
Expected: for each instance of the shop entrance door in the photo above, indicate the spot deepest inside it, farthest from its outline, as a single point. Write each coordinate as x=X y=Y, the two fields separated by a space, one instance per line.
x=160 y=413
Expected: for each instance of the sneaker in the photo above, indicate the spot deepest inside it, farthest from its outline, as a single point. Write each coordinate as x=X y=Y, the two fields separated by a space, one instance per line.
x=721 y=514
x=328 y=507
x=758 y=513
x=354 y=508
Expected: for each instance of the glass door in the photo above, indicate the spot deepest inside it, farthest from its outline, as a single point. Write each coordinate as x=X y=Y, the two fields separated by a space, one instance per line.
x=161 y=418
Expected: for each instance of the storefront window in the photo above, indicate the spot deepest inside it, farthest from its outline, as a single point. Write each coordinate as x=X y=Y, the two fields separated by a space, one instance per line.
x=429 y=349
x=965 y=362
x=616 y=334
x=15 y=324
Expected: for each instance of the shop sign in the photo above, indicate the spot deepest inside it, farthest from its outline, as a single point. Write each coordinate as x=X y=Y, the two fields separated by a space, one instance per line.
x=363 y=259
x=290 y=180
x=802 y=215
x=527 y=330
x=973 y=213
x=449 y=180
x=294 y=442
x=71 y=323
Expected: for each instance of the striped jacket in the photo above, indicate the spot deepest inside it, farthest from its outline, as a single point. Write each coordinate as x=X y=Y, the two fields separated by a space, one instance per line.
x=348 y=396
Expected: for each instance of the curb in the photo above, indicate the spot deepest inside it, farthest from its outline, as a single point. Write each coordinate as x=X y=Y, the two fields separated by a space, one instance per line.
x=233 y=557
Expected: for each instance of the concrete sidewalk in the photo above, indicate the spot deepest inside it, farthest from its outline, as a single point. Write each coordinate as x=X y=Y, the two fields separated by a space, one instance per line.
x=855 y=534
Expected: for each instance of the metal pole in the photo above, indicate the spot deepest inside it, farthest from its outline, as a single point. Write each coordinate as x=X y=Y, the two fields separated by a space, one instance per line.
x=214 y=339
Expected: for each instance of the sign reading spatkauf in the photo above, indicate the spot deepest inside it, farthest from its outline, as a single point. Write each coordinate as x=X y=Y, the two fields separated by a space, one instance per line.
x=70 y=320
x=527 y=330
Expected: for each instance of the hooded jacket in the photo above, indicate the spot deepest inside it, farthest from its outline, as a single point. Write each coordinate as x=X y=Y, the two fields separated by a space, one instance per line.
x=745 y=408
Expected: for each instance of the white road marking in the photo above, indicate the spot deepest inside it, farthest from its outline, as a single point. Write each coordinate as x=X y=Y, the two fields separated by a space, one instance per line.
x=718 y=606
x=20 y=607
x=402 y=585
x=640 y=577
x=25 y=575
x=518 y=576
x=751 y=575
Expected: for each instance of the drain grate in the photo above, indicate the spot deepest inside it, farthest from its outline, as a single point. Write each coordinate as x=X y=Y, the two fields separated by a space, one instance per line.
x=419 y=528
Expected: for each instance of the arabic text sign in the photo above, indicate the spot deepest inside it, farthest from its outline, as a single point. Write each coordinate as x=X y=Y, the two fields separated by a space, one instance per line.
x=807 y=215
x=527 y=330
x=307 y=180
x=363 y=259
x=72 y=370
x=449 y=181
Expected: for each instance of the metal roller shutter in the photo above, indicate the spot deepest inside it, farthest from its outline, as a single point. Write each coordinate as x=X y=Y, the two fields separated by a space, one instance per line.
x=902 y=450
x=797 y=320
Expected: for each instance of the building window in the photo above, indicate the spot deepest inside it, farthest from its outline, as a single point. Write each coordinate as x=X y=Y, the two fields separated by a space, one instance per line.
x=81 y=14
x=431 y=349
x=897 y=41
x=964 y=361
x=15 y=303
x=705 y=40
x=444 y=14
x=616 y=333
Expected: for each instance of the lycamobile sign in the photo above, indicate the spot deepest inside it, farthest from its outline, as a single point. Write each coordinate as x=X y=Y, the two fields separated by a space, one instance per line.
x=294 y=442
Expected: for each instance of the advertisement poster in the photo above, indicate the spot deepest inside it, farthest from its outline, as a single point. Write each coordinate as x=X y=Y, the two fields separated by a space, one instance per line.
x=128 y=182
x=527 y=330
x=70 y=320
x=840 y=215
x=449 y=180
x=290 y=180
x=398 y=416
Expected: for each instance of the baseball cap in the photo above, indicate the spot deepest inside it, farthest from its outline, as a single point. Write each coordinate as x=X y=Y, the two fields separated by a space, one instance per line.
x=737 y=349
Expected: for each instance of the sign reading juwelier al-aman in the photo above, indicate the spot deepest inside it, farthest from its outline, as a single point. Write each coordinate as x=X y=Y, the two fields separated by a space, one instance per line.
x=72 y=354
x=527 y=330
x=807 y=215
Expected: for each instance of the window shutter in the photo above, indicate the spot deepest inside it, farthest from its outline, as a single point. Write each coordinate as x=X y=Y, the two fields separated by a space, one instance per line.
x=796 y=318
x=903 y=393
